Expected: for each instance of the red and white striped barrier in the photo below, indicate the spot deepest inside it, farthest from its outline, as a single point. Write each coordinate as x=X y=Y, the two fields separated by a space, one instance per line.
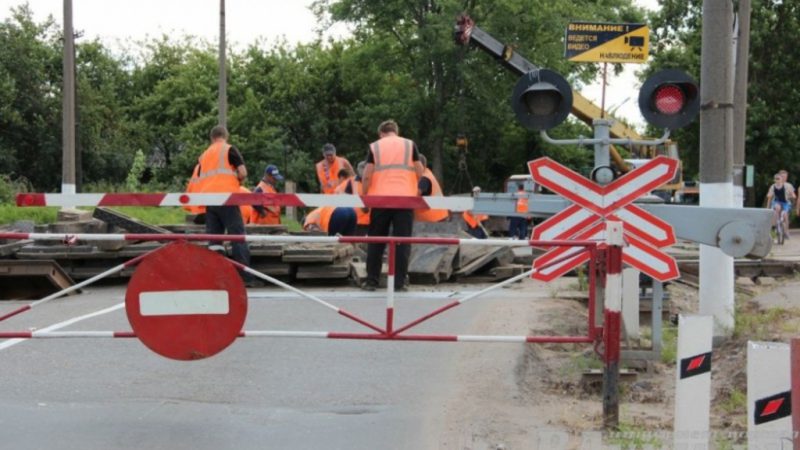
x=225 y=199
x=386 y=332
x=311 y=335
x=693 y=382
x=166 y=237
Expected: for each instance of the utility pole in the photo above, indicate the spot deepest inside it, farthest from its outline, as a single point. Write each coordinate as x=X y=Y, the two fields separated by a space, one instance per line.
x=223 y=77
x=740 y=100
x=716 y=157
x=68 y=99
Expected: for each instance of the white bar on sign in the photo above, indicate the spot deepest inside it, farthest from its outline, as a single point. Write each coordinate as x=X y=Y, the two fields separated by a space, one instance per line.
x=173 y=303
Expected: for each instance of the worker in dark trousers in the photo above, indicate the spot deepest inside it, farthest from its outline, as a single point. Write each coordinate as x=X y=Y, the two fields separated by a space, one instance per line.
x=518 y=226
x=393 y=169
x=221 y=169
x=339 y=221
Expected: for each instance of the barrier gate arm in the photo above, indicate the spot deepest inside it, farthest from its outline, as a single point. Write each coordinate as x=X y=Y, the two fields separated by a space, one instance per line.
x=736 y=231
x=387 y=333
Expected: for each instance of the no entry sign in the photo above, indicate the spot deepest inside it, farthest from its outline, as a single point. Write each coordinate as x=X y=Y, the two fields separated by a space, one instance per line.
x=185 y=302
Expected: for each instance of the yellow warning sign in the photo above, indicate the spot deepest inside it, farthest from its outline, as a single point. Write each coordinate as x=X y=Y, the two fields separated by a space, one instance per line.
x=607 y=42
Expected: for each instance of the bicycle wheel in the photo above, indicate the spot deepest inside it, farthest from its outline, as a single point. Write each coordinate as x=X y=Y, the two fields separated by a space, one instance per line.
x=779 y=230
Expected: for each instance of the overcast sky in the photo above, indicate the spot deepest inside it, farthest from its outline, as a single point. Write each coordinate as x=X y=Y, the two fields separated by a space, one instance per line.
x=115 y=22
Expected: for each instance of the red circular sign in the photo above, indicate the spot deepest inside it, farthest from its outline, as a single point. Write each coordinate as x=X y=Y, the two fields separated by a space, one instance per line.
x=185 y=302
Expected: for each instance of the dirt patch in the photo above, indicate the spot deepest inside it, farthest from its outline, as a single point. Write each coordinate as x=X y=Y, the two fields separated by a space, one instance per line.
x=546 y=389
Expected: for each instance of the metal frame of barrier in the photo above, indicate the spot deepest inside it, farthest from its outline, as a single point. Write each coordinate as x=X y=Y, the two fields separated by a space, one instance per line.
x=388 y=331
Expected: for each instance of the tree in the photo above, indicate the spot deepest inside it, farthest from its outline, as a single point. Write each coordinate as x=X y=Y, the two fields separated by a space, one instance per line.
x=447 y=90
x=772 y=131
x=30 y=99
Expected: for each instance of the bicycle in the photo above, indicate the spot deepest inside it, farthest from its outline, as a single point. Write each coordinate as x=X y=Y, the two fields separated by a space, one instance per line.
x=781 y=222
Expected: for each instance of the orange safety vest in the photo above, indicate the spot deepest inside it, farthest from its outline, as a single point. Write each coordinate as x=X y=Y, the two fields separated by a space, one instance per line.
x=362 y=214
x=194 y=186
x=216 y=173
x=522 y=201
x=473 y=220
x=246 y=210
x=329 y=179
x=273 y=216
x=320 y=217
x=342 y=187
x=432 y=215
x=394 y=173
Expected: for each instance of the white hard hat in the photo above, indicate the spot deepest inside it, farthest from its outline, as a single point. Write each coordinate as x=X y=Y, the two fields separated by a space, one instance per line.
x=476 y=189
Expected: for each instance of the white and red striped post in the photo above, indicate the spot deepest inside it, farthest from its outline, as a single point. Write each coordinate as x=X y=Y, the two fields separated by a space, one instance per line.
x=390 y=287
x=693 y=382
x=769 y=403
x=795 y=354
x=612 y=323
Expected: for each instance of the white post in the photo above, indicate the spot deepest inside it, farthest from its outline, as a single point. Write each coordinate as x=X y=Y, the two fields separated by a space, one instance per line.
x=693 y=382
x=769 y=418
x=630 y=302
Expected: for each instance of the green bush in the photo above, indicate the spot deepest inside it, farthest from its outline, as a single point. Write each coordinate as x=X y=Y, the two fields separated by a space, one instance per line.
x=10 y=188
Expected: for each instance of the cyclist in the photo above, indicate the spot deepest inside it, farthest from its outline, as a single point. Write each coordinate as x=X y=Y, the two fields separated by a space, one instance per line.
x=779 y=196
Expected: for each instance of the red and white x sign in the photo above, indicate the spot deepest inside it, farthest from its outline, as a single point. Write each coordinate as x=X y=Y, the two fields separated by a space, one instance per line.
x=594 y=204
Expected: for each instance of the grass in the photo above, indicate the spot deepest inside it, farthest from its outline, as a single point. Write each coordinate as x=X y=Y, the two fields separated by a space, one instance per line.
x=758 y=325
x=579 y=364
x=169 y=215
x=40 y=215
x=669 y=343
x=10 y=213
x=735 y=403
x=633 y=437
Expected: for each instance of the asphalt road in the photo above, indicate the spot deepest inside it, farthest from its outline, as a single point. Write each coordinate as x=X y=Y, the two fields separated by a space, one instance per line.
x=260 y=393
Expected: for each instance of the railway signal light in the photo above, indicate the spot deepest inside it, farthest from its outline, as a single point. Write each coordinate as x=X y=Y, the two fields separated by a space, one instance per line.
x=669 y=99
x=541 y=99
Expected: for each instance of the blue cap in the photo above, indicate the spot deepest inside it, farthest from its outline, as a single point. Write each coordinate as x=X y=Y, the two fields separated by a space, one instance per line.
x=273 y=170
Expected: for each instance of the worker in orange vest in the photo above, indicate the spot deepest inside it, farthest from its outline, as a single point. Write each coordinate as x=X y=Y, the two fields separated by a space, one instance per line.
x=352 y=185
x=246 y=210
x=269 y=214
x=393 y=169
x=328 y=169
x=474 y=221
x=518 y=226
x=429 y=186
x=333 y=221
x=221 y=169
x=194 y=186
x=346 y=182
x=362 y=214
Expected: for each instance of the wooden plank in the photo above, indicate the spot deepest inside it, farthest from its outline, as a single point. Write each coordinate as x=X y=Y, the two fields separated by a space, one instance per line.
x=192 y=228
x=86 y=226
x=505 y=272
x=358 y=272
x=273 y=269
x=424 y=263
x=446 y=266
x=491 y=257
x=27 y=279
x=126 y=222
x=323 y=271
x=13 y=247
x=307 y=252
x=266 y=249
x=73 y=215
